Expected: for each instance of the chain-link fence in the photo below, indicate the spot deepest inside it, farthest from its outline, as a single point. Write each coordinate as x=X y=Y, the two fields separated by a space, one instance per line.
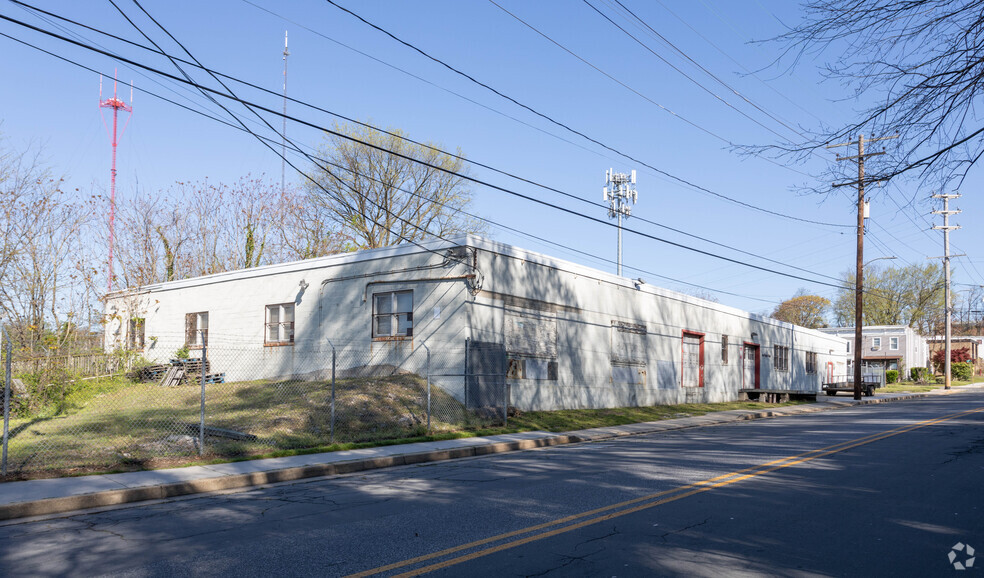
x=228 y=401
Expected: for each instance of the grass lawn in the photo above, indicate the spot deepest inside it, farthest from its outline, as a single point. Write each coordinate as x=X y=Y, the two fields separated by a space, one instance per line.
x=909 y=387
x=120 y=425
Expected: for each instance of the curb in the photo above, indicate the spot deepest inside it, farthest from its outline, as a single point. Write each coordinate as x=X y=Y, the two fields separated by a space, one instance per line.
x=239 y=481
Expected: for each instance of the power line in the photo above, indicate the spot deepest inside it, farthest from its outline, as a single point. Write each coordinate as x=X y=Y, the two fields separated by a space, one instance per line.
x=684 y=74
x=570 y=129
x=634 y=91
x=472 y=179
x=295 y=148
x=216 y=74
x=698 y=65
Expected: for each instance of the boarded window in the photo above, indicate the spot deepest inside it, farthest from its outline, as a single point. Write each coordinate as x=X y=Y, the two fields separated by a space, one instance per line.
x=528 y=368
x=279 y=324
x=628 y=343
x=724 y=350
x=530 y=335
x=392 y=315
x=196 y=329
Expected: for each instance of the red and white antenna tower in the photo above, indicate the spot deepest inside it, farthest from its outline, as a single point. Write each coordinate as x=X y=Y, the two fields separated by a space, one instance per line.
x=117 y=105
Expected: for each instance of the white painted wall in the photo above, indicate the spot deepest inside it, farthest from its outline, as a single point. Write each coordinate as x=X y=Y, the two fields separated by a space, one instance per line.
x=577 y=304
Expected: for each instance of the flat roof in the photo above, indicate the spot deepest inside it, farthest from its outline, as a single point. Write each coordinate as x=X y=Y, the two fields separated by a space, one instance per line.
x=435 y=246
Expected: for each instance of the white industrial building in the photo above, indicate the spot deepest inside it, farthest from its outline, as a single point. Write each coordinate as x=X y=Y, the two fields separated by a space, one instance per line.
x=563 y=335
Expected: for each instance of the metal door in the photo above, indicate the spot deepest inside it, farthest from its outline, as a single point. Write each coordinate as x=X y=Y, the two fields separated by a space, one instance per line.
x=485 y=375
x=691 y=361
x=750 y=370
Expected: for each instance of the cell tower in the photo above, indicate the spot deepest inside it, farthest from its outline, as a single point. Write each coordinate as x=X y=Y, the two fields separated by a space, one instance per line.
x=283 y=154
x=619 y=190
x=117 y=105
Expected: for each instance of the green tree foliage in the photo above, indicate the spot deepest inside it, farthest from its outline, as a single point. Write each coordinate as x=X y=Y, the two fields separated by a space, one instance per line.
x=962 y=371
x=381 y=198
x=803 y=310
x=911 y=295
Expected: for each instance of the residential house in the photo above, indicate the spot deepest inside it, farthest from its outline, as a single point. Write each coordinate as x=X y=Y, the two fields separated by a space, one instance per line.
x=885 y=347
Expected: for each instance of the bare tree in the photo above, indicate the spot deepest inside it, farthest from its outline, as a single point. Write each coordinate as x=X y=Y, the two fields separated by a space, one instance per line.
x=304 y=232
x=382 y=198
x=42 y=255
x=152 y=233
x=920 y=63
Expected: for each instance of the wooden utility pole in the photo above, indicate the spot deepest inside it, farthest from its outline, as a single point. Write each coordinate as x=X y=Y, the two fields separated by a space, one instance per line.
x=948 y=313
x=859 y=275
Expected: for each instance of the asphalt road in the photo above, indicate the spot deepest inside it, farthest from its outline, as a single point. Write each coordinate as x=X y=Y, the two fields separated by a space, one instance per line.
x=869 y=491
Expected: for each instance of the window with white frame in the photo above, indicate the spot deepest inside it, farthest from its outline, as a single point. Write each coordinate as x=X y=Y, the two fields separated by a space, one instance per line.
x=780 y=357
x=876 y=342
x=392 y=315
x=279 y=324
x=196 y=329
x=893 y=343
x=848 y=346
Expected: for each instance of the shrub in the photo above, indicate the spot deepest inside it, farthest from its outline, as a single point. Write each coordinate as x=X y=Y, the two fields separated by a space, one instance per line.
x=182 y=353
x=919 y=374
x=961 y=371
x=892 y=375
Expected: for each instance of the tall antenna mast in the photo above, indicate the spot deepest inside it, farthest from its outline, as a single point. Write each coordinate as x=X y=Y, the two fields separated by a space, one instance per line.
x=283 y=154
x=619 y=190
x=117 y=105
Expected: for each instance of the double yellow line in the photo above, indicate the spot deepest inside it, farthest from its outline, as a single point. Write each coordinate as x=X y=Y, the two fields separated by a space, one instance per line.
x=597 y=515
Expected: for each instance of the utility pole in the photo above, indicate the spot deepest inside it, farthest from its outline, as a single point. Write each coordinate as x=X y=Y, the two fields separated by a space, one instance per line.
x=283 y=134
x=859 y=275
x=948 y=313
x=619 y=190
x=117 y=105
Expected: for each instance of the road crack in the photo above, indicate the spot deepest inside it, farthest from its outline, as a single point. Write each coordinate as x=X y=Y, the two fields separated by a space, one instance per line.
x=684 y=529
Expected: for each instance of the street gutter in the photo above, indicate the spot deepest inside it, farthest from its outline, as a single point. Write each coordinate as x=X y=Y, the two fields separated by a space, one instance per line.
x=87 y=492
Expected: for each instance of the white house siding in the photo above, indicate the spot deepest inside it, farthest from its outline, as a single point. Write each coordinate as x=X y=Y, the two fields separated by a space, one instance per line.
x=913 y=348
x=577 y=337
x=585 y=303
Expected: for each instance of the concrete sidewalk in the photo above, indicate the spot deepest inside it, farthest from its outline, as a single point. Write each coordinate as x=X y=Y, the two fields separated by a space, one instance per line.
x=50 y=496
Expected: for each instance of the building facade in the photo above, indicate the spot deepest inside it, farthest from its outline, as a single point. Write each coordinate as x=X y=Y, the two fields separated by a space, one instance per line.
x=886 y=347
x=561 y=335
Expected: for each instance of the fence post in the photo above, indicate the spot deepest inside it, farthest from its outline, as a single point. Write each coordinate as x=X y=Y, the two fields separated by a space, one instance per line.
x=201 y=423
x=9 y=346
x=331 y=438
x=505 y=402
x=428 y=374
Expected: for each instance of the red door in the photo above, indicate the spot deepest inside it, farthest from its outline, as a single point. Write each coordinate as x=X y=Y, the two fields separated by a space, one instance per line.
x=750 y=359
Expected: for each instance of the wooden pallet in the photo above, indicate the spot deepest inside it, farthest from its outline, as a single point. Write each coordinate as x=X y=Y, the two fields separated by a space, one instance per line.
x=174 y=376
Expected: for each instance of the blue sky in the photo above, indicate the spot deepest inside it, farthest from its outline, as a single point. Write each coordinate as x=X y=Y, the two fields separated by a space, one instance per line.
x=54 y=104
